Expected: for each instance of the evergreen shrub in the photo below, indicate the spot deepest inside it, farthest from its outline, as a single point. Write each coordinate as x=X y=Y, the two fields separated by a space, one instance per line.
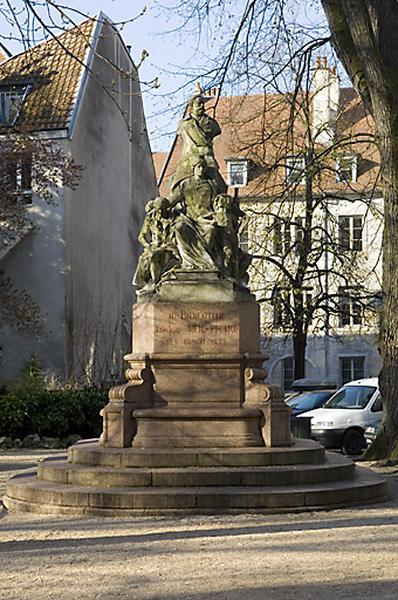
x=30 y=405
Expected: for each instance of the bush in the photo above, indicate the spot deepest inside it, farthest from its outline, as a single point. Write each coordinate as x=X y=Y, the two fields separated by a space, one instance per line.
x=27 y=406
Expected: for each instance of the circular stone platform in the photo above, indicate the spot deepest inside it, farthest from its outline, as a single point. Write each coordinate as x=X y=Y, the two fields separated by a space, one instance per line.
x=135 y=481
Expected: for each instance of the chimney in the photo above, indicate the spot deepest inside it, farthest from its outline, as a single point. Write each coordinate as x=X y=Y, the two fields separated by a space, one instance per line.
x=325 y=101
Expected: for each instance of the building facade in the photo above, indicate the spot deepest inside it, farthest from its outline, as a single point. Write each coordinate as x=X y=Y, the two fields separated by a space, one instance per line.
x=305 y=168
x=76 y=262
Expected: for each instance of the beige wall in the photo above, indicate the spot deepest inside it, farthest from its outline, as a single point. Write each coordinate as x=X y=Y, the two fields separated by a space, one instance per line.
x=79 y=262
x=105 y=213
x=36 y=266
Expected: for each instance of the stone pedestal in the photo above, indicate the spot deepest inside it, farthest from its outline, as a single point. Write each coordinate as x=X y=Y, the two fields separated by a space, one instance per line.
x=194 y=430
x=195 y=380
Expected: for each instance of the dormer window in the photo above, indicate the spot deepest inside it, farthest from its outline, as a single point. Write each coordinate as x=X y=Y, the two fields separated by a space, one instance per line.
x=346 y=168
x=295 y=169
x=12 y=98
x=237 y=172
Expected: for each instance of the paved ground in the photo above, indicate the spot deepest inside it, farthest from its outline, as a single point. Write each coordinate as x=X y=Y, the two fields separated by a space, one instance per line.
x=350 y=554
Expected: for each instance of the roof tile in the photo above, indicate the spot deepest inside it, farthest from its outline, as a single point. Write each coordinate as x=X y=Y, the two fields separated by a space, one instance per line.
x=53 y=69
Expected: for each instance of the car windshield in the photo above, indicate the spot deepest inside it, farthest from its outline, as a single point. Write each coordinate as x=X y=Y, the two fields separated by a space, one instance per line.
x=309 y=401
x=352 y=397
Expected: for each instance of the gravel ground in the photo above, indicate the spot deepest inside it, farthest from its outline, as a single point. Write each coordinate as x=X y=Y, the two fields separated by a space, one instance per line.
x=350 y=554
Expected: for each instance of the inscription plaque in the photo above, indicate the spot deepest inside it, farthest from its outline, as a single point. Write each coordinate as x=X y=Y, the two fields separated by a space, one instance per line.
x=195 y=329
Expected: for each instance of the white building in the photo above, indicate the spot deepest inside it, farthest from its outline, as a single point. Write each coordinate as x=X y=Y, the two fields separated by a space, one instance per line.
x=77 y=262
x=289 y=157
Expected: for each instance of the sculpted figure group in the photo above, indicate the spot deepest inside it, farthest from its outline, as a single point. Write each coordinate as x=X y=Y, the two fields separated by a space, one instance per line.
x=197 y=228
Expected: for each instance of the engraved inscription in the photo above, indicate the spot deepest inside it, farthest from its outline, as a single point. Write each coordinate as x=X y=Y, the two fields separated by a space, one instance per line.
x=197 y=328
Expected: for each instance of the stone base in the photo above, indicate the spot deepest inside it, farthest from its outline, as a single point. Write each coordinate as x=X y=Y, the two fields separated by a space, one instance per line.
x=198 y=428
x=195 y=379
x=98 y=481
x=196 y=287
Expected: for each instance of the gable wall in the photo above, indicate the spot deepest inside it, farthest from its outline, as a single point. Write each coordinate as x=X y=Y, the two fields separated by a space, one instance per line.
x=105 y=213
x=36 y=266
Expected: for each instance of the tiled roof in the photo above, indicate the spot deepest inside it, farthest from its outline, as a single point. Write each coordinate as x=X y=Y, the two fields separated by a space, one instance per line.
x=53 y=69
x=257 y=127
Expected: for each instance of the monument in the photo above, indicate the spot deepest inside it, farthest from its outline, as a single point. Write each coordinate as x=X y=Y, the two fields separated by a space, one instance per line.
x=195 y=427
x=196 y=370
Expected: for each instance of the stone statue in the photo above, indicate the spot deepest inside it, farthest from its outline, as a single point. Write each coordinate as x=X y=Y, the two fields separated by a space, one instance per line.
x=195 y=233
x=160 y=253
x=227 y=233
x=197 y=132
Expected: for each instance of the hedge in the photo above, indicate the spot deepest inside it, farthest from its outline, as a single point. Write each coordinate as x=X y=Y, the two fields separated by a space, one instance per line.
x=28 y=406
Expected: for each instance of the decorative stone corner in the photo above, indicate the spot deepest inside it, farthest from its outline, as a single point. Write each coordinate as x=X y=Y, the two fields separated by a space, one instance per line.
x=119 y=427
x=270 y=400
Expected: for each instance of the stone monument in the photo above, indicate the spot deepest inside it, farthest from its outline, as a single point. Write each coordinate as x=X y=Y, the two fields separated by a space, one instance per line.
x=195 y=428
x=195 y=376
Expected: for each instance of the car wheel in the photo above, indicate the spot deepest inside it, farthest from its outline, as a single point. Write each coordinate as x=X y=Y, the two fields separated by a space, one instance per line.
x=353 y=442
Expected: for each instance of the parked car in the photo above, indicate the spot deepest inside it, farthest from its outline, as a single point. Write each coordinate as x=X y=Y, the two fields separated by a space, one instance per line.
x=342 y=421
x=308 y=401
x=308 y=384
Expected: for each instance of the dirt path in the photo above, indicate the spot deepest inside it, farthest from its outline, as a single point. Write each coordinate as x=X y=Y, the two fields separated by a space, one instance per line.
x=342 y=554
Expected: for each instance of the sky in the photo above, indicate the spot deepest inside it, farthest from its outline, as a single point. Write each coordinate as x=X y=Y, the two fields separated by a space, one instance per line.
x=174 y=55
x=171 y=52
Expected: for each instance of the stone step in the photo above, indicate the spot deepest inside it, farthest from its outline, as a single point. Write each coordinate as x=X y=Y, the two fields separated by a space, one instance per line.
x=335 y=467
x=303 y=451
x=26 y=492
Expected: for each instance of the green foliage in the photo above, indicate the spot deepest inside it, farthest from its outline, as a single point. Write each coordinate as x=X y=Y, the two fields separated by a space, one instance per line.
x=28 y=406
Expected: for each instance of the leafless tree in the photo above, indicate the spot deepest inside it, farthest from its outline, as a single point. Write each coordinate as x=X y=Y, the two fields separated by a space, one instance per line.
x=28 y=160
x=363 y=33
x=301 y=265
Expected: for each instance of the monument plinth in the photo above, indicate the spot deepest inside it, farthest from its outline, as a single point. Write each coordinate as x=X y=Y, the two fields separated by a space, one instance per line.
x=195 y=428
x=201 y=368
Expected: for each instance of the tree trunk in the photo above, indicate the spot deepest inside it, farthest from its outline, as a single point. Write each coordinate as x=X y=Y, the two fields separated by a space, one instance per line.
x=388 y=143
x=299 y=347
x=364 y=34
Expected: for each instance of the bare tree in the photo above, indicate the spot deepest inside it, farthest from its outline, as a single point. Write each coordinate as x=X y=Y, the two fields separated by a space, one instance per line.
x=306 y=268
x=302 y=265
x=363 y=33
x=364 y=36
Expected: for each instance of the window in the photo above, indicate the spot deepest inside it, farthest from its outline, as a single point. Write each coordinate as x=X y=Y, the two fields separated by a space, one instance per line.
x=277 y=230
x=295 y=170
x=283 y=308
x=287 y=237
x=350 y=310
x=282 y=237
x=288 y=372
x=299 y=234
x=346 y=168
x=11 y=101
x=350 y=233
x=18 y=178
x=351 y=368
x=244 y=237
x=237 y=171
x=377 y=406
x=352 y=397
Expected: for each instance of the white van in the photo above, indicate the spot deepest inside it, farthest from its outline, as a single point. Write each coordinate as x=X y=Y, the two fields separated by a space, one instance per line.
x=345 y=416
